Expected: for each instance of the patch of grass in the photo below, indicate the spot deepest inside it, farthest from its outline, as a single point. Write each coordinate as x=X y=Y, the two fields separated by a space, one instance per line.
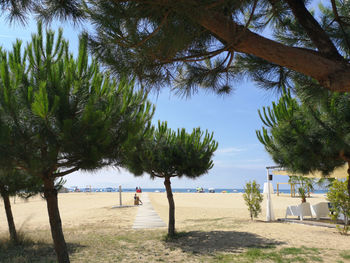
x=297 y=251
x=26 y=250
x=345 y=254
x=284 y=255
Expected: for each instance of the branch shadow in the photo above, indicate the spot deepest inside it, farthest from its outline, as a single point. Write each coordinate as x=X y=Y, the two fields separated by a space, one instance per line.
x=30 y=251
x=210 y=242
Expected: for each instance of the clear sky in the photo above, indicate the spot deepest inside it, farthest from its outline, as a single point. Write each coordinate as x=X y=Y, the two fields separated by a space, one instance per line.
x=233 y=119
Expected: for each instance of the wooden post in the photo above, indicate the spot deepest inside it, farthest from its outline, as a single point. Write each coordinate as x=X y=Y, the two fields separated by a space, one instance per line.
x=120 y=195
x=277 y=189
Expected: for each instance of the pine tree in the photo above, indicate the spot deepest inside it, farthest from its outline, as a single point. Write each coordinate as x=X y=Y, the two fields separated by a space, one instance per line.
x=306 y=136
x=60 y=114
x=207 y=43
x=166 y=154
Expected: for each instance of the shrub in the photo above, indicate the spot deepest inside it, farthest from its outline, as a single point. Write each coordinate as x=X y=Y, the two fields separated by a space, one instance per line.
x=253 y=198
x=339 y=198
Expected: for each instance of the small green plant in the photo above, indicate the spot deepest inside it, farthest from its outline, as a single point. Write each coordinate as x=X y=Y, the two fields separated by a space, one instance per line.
x=339 y=198
x=253 y=198
x=305 y=186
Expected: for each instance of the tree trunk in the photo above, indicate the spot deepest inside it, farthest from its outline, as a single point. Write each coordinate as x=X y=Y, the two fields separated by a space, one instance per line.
x=10 y=221
x=50 y=194
x=332 y=73
x=349 y=179
x=169 y=193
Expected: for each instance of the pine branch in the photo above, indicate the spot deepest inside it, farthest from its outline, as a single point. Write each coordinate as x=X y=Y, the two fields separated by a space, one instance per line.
x=252 y=13
x=340 y=22
x=318 y=36
x=55 y=175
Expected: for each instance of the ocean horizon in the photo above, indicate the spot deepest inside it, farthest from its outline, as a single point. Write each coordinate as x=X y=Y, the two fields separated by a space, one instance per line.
x=175 y=190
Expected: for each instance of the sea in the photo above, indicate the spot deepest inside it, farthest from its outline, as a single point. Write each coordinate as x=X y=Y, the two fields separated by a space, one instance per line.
x=176 y=190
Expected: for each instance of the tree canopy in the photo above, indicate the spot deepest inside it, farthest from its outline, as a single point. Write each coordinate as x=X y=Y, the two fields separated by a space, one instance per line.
x=306 y=137
x=166 y=153
x=193 y=43
x=60 y=114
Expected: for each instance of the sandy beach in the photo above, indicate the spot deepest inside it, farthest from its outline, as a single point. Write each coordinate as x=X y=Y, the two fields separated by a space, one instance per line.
x=223 y=216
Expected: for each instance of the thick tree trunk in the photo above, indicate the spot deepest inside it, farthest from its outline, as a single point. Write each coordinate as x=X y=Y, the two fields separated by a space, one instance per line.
x=50 y=194
x=169 y=193
x=10 y=221
x=332 y=73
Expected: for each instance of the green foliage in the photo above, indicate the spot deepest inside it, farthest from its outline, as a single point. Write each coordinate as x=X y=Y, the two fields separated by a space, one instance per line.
x=253 y=198
x=167 y=153
x=339 y=198
x=59 y=114
x=305 y=135
x=305 y=185
x=16 y=182
x=168 y=43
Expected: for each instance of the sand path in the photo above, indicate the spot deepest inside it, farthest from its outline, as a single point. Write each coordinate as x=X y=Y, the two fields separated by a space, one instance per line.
x=146 y=216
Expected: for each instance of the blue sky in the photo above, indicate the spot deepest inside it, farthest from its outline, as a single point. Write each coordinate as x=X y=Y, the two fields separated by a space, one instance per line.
x=233 y=119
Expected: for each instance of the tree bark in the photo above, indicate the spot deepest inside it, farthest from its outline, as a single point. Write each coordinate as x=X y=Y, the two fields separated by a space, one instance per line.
x=169 y=193
x=349 y=179
x=50 y=194
x=10 y=221
x=330 y=73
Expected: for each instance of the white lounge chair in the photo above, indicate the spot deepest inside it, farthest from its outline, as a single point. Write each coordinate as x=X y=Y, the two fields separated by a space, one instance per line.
x=301 y=210
x=320 y=210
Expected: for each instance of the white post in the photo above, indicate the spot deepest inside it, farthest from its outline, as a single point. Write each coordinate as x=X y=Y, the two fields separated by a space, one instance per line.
x=120 y=195
x=269 y=212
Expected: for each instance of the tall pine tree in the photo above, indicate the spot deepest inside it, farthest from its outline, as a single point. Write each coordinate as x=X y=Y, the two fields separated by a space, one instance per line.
x=60 y=114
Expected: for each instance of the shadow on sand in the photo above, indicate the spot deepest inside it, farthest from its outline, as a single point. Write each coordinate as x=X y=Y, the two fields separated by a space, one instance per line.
x=219 y=241
x=30 y=251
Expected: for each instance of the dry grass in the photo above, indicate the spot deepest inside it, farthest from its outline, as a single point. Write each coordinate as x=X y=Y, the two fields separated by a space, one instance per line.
x=110 y=243
x=103 y=234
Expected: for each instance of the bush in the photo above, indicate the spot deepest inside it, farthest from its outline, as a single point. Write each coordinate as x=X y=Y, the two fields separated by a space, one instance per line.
x=339 y=198
x=253 y=198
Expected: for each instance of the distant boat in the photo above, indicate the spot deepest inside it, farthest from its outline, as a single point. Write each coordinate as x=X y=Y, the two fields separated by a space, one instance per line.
x=211 y=190
x=157 y=191
x=234 y=190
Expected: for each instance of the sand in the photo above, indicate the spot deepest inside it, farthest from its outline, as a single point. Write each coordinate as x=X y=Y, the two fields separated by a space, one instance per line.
x=230 y=207
x=200 y=212
x=75 y=209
